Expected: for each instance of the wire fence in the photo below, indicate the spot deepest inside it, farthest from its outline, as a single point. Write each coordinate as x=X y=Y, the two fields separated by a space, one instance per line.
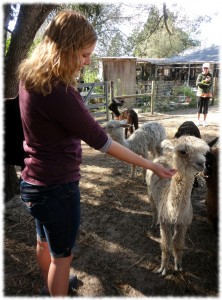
x=150 y=96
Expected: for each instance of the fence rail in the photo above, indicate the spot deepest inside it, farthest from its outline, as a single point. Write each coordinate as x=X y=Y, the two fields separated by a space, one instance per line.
x=158 y=96
x=96 y=97
x=150 y=94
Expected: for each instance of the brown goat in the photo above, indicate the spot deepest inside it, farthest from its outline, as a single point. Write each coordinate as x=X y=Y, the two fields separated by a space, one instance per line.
x=132 y=118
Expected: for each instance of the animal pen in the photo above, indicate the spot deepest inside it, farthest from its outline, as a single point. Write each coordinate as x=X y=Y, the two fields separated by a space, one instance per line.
x=151 y=96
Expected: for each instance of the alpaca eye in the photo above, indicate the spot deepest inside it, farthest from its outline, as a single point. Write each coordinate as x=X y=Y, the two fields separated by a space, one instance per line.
x=183 y=152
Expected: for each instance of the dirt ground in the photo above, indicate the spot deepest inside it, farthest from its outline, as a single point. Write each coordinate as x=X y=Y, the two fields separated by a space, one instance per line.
x=117 y=252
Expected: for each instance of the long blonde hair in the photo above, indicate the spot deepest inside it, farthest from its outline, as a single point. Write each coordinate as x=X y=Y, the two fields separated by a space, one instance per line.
x=55 y=58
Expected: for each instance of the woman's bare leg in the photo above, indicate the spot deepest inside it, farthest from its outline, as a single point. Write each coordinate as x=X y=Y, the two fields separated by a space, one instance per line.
x=58 y=276
x=43 y=260
x=55 y=271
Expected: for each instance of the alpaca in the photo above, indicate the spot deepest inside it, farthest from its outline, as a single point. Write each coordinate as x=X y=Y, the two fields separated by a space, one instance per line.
x=211 y=174
x=146 y=138
x=189 y=128
x=170 y=198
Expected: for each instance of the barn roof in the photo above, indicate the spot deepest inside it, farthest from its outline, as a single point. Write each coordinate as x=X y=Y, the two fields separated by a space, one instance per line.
x=195 y=55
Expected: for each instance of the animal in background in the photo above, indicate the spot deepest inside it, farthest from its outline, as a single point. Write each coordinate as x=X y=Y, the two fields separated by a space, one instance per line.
x=113 y=106
x=188 y=128
x=145 y=139
x=129 y=115
x=211 y=174
x=131 y=118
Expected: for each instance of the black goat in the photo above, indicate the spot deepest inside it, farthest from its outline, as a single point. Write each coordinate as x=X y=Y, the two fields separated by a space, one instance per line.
x=113 y=106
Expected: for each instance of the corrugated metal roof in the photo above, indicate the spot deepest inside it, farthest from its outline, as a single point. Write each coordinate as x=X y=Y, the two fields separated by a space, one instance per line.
x=210 y=54
x=118 y=58
x=197 y=55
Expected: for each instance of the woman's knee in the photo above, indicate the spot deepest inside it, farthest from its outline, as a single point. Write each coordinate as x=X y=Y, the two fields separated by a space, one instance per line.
x=65 y=261
x=42 y=245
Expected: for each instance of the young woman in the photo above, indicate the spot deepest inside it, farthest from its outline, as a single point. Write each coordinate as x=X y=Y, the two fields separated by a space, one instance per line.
x=55 y=120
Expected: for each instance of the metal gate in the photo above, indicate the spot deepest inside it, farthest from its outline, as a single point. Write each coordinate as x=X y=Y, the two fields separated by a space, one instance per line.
x=96 y=97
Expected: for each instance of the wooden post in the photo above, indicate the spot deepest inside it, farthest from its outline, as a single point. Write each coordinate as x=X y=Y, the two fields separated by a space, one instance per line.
x=152 y=97
x=214 y=89
x=112 y=94
x=106 y=92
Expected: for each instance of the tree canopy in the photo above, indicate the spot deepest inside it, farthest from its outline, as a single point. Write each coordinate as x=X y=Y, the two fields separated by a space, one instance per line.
x=165 y=33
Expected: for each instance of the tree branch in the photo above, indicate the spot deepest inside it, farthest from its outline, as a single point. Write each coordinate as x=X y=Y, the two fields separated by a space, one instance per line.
x=165 y=17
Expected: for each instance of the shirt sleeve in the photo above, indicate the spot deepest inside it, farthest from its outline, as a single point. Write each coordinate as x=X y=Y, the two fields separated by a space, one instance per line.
x=105 y=148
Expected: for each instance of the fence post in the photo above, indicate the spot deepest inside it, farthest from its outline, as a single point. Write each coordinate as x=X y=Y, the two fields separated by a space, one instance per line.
x=106 y=92
x=112 y=94
x=152 y=97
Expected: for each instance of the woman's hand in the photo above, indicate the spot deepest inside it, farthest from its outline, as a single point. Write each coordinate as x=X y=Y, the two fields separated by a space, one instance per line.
x=162 y=172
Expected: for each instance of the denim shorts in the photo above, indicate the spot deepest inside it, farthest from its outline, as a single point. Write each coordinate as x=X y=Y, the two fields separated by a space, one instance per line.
x=56 y=209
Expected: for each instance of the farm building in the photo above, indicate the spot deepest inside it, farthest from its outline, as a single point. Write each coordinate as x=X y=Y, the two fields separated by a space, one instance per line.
x=186 y=66
x=128 y=73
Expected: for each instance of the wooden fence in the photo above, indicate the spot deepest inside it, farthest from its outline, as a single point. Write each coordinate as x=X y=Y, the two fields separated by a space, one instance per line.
x=156 y=96
x=138 y=96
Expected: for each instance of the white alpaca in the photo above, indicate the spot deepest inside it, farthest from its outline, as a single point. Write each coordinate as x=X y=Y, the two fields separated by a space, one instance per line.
x=146 y=138
x=170 y=198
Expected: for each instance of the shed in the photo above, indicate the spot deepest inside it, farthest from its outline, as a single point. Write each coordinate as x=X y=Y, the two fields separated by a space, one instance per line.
x=121 y=71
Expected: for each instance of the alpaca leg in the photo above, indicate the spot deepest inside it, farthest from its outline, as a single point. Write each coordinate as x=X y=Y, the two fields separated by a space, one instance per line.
x=126 y=133
x=152 y=206
x=178 y=245
x=136 y=125
x=166 y=247
x=144 y=175
x=133 y=171
x=144 y=155
x=154 y=211
x=131 y=128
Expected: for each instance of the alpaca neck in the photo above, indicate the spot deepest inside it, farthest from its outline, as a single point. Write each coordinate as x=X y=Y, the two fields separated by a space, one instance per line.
x=120 y=139
x=179 y=203
x=181 y=186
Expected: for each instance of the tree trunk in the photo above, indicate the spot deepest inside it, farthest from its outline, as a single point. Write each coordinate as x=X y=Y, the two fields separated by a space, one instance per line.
x=11 y=183
x=30 y=18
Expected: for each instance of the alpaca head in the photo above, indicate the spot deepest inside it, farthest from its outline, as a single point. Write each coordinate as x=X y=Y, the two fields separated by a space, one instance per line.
x=189 y=154
x=115 y=128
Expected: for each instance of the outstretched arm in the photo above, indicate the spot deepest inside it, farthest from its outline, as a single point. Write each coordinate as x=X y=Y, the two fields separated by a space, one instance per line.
x=122 y=153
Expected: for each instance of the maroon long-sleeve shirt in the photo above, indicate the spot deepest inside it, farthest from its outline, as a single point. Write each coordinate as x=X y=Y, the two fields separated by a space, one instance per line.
x=54 y=126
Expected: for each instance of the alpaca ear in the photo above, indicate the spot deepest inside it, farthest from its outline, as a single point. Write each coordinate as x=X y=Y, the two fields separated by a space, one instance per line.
x=167 y=145
x=213 y=142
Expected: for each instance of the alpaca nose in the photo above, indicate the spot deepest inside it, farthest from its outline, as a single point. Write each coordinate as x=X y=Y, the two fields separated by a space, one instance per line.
x=200 y=165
